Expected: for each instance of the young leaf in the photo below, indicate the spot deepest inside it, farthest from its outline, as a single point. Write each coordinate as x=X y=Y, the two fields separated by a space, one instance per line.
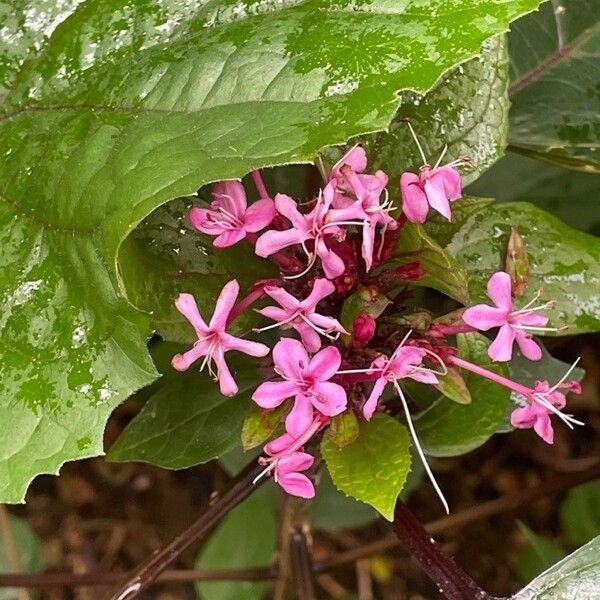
x=574 y=578
x=246 y=538
x=579 y=515
x=453 y=386
x=467 y=111
x=344 y=429
x=110 y=109
x=554 y=65
x=540 y=554
x=373 y=468
x=450 y=429
x=443 y=272
x=563 y=261
x=260 y=423
x=186 y=420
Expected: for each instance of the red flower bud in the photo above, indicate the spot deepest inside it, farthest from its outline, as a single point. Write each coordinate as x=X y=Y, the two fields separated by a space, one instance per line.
x=363 y=329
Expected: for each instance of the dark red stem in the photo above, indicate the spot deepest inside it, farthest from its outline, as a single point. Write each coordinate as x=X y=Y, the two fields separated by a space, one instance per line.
x=450 y=579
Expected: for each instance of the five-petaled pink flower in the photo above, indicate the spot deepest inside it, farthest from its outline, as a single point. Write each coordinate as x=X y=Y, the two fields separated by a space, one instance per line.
x=515 y=324
x=301 y=315
x=311 y=226
x=405 y=362
x=307 y=380
x=435 y=187
x=347 y=176
x=545 y=401
x=229 y=217
x=213 y=341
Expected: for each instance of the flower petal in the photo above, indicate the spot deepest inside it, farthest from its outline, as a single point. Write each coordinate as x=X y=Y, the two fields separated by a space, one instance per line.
x=273 y=312
x=356 y=158
x=259 y=215
x=294 y=462
x=273 y=241
x=329 y=398
x=484 y=317
x=531 y=320
x=310 y=338
x=231 y=196
x=327 y=323
x=333 y=265
x=297 y=484
x=200 y=219
x=501 y=348
x=325 y=363
x=368 y=244
x=300 y=417
x=290 y=358
x=279 y=445
x=288 y=207
x=283 y=298
x=528 y=346
x=224 y=304
x=321 y=289
x=414 y=200
x=229 y=238
x=436 y=195
x=371 y=404
x=186 y=305
x=230 y=342
x=271 y=394
x=182 y=362
x=543 y=427
x=523 y=418
x=499 y=289
x=227 y=384
x=452 y=182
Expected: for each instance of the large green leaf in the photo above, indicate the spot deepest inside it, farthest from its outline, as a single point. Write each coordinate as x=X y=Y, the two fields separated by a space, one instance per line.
x=113 y=108
x=466 y=111
x=442 y=271
x=374 y=467
x=555 y=113
x=563 y=261
x=246 y=538
x=579 y=515
x=539 y=554
x=569 y=195
x=450 y=429
x=576 y=577
x=186 y=420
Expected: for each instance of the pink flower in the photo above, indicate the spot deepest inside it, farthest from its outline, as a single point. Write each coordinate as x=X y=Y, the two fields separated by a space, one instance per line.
x=301 y=315
x=230 y=218
x=348 y=177
x=305 y=379
x=213 y=340
x=435 y=187
x=514 y=324
x=288 y=477
x=543 y=401
x=405 y=362
x=311 y=226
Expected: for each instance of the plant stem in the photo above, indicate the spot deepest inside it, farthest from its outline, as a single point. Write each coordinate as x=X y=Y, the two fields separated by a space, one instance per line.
x=241 y=487
x=450 y=579
x=302 y=565
x=260 y=184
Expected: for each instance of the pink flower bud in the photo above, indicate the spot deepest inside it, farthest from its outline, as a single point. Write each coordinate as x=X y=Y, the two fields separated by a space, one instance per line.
x=363 y=329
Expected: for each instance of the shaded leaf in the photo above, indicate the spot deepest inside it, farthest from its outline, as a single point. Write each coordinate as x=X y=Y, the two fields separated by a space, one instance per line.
x=373 y=468
x=574 y=578
x=579 y=515
x=540 y=554
x=186 y=420
x=555 y=54
x=451 y=429
x=563 y=261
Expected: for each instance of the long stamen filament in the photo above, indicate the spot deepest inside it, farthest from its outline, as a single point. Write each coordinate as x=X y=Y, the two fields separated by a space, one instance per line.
x=440 y=361
x=533 y=328
x=412 y=131
x=264 y=472
x=564 y=377
x=568 y=420
x=439 y=160
x=419 y=449
x=278 y=323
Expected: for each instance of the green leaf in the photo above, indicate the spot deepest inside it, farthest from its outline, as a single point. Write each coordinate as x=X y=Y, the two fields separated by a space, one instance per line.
x=451 y=429
x=579 y=515
x=330 y=509
x=556 y=190
x=28 y=547
x=443 y=272
x=260 y=423
x=576 y=577
x=540 y=554
x=246 y=538
x=373 y=468
x=563 y=261
x=554 y=65
x=344 y=429
x=467 y=111
x=187 y=421
x=453 y=386
x=113 y=108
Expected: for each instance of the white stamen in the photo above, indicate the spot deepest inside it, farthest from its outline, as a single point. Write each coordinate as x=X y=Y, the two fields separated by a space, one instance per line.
x=417 y=142
x=568 y=420
x=264 y=472
x=564 y=377
x=419 y=449
x=440 y=361
x=533 y=328
x=439 y=160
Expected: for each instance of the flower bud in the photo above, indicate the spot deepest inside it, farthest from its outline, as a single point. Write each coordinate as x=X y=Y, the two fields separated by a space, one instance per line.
x=363 y=329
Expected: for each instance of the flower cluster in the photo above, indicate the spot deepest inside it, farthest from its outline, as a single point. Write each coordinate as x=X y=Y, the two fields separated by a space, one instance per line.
x=326 y=248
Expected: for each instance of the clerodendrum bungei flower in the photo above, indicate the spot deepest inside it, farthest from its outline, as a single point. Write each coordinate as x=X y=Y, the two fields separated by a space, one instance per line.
x=323 y=289
x=229 y=217
x=301 y=315
x=516 y=324
x=213 y=339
